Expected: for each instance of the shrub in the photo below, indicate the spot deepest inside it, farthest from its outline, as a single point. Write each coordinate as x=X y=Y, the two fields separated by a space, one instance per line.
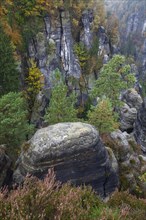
x=47 y=199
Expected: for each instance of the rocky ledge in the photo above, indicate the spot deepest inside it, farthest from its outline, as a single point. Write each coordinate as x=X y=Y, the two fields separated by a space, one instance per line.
x=76 y=153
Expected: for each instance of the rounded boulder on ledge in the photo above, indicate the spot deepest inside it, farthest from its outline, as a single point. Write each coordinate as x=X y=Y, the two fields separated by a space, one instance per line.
x=76 y=153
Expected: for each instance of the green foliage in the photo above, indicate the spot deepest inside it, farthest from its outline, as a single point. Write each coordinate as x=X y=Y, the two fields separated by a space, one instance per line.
x=61 y=107
x=13 y=120
x=8 y=71
x=103 y=117
x=114 y=77
x=20 y=11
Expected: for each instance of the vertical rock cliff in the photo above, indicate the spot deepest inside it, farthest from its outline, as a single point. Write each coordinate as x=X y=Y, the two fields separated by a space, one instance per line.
x=53 y=47
x=132 y=27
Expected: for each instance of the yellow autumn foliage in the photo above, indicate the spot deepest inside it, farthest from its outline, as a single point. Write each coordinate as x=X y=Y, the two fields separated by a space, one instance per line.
x=34 y=80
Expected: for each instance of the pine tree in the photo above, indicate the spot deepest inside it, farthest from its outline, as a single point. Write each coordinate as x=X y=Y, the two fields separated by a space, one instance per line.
x=114 y=77
x=13 y=120
x=61 y=107
x=8 y=71
x=103 y=117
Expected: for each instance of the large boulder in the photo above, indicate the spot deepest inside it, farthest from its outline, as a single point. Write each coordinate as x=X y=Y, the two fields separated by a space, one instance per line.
x=5 y=165
x=76 y=153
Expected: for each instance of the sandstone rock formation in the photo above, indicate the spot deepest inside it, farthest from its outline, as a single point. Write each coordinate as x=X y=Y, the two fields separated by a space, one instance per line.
x=76 y=153
x=132 y=26
x=127 y=153
x=86 y=35
x=69 y=60
x=140 y=127
x=53 y=46
x=133 y=102
x=128 y=117
x=39 y=110
x=132 y=98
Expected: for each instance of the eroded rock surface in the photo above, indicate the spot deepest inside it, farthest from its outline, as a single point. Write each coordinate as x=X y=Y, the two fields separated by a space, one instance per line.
x=76 y=153
x=39 y=110
x=127 y=153
x=87 y=33
x=132 y=98
x=128 y=116
x=69 y=60
x=140 y=127
x=5 y=164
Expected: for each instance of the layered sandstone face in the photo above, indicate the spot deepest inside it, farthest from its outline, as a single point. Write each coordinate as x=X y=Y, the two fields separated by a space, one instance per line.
x=76 y=153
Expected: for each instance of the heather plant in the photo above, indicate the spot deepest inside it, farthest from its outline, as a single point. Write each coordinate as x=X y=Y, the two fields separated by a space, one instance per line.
x=47 y=199
x=135 y=208
x=51 y=200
